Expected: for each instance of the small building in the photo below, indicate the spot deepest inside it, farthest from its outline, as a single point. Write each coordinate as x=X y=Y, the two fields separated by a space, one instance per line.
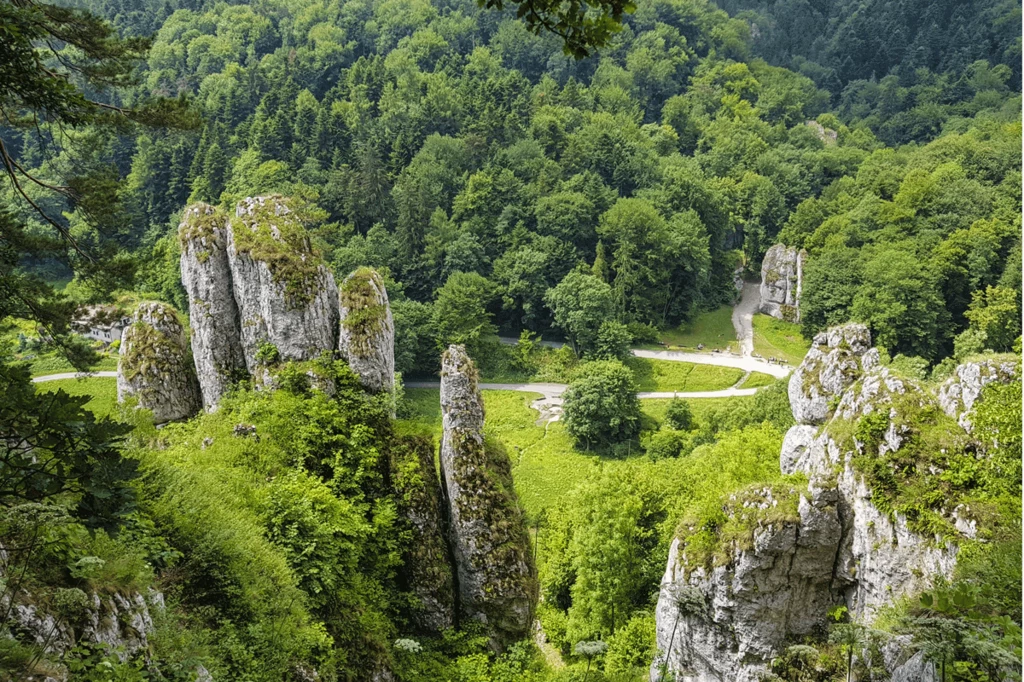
x=104 y=323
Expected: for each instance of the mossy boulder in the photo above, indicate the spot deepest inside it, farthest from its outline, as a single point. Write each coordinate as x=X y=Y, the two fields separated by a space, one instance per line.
x=155 y=366
x=367 y=338
x=285 y=294
x=427 y=568
x=213 y=314
x=496 y=581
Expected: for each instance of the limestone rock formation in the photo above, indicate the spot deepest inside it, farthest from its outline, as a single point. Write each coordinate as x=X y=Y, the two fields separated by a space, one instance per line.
x=781 y=282
x=155 y=366
x=122 y=622
x=832 y=364
x=285 y=294
x=213 y=314
x=428 y=571
x=495 y=579
x=959 y=392
x=726 y=617
x=367 y=337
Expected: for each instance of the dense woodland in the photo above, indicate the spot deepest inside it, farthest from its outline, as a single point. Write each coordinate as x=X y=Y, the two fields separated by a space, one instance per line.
x=502 y=186
x=442 y=139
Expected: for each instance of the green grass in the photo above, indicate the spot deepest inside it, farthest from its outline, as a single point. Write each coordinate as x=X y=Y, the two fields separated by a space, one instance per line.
x=56 y=364
x=667 y=375
x=102 y=389
x=757 y=380
x=544 y=463
x=654 y=408
x=778 y=339
x=714 y=329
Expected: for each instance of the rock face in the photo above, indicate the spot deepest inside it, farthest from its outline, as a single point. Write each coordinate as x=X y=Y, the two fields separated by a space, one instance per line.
x=725 y=617
x=726 y=621
x=154 y=365
x=494 y=576
x=959 y=392
x=367 y=336
x=286 y=297
x=832 y=364
x=121 y=622
x=213 y=315
x=428 y=571
x=781 y=281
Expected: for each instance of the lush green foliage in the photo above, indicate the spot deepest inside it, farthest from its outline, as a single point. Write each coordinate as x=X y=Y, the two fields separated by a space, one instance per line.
x=601 y=408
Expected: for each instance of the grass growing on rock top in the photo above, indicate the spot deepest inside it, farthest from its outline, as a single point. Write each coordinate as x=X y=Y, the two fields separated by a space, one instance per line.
x=279 y=239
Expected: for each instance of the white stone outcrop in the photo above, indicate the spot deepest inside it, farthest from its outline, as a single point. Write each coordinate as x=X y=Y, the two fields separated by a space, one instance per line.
x=726 y=622
x=490 y=547
x=155 y=367
x=959 y=392
x=831 y=365
x=213 y=314
x=367 y=338
x=782 y=273
x=286 y=296
x=844 y=549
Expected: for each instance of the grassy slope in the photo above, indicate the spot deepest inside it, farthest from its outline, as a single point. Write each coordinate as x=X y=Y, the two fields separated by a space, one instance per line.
x=56 y=364
x=102 y=389
x=778 y=339
x=714 y=329
x=758 y=379
x=544 y=463
x=665 y=375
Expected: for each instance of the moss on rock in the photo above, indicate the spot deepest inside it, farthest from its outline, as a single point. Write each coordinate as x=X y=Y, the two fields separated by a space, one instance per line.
x=272 y=230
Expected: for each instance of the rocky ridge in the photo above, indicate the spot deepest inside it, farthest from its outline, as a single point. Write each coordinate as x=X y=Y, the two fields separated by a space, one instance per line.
x=155 y=367
x=826 y=542
x=495 y=579
x=286 y=296
x=782 y=282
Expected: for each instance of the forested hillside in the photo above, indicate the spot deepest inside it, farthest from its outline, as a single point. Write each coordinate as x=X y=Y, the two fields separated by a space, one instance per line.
x=439 y=139
x=302 y=233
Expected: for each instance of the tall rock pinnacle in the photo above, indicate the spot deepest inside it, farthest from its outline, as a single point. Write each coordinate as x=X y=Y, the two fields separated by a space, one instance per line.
x=155 y=367
x=213 y=314
x=367 y=337
x=495 y=581
x=285 y=294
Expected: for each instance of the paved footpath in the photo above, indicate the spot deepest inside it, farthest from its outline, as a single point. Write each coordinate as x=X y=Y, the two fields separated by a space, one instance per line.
x=73 y=375
x=556 y=390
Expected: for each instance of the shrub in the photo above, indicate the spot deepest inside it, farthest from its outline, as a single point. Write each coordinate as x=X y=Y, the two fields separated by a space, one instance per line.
x=601 y=407
x=678 y=415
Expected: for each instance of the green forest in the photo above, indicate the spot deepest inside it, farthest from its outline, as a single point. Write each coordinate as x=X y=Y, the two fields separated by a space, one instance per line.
x=579 y=194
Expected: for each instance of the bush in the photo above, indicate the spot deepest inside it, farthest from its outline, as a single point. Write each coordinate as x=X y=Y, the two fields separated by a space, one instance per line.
x=631 y=648
x=601 y=407
x=668 y=444
x=678 y=415
x=643 y=333
x=612 y=342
